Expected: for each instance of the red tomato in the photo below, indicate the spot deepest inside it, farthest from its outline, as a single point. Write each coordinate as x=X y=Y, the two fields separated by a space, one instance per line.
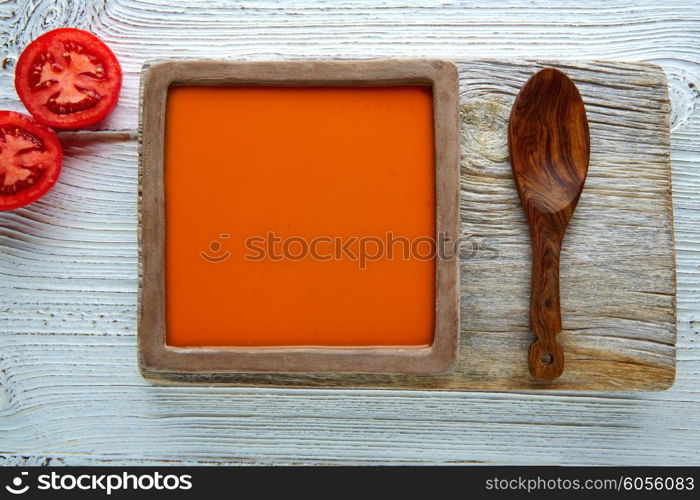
x=68 y=78
x=30 y=159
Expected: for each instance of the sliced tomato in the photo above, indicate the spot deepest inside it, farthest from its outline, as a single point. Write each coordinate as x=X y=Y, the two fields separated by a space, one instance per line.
x=30 y=159
x=68 y=78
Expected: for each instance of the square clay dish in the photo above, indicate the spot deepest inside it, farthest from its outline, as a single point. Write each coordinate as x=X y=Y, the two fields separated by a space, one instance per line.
x=159 y=358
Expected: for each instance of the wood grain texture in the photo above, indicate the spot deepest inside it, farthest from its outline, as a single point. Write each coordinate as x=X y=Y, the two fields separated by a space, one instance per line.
x=620 y=330
x=70 y=392
x=549 y=148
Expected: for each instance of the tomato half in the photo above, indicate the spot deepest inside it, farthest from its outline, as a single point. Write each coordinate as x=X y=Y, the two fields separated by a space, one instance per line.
x=68 y=78
x=30 y=159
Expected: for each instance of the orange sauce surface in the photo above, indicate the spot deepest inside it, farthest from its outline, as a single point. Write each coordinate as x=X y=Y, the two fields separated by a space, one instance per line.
x=334 y=163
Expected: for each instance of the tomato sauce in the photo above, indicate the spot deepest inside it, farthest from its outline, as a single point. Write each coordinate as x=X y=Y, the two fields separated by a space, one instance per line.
x=302 y=163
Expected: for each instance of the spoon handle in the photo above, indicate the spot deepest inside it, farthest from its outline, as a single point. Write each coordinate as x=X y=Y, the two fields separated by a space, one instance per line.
x=546 y=356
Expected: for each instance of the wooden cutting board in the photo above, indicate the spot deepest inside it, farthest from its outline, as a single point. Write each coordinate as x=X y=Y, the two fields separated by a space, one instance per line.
x=617 y=266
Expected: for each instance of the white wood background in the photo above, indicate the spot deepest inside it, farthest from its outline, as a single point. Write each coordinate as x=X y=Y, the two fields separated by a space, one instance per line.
x=70 y=391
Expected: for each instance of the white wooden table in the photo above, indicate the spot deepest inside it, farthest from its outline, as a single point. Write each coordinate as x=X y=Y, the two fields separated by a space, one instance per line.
x=70 y=391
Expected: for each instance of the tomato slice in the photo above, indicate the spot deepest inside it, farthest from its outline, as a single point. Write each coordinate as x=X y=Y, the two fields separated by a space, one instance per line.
x=30 y=159
x=68 y=78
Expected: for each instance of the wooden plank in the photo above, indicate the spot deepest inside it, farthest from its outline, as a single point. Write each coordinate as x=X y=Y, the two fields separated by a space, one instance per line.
x=138 y=30
x=617 y=276
x=68 y=264
x=618 y=270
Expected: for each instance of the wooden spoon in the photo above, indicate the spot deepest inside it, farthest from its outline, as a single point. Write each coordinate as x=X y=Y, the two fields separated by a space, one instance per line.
x=549 y=151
